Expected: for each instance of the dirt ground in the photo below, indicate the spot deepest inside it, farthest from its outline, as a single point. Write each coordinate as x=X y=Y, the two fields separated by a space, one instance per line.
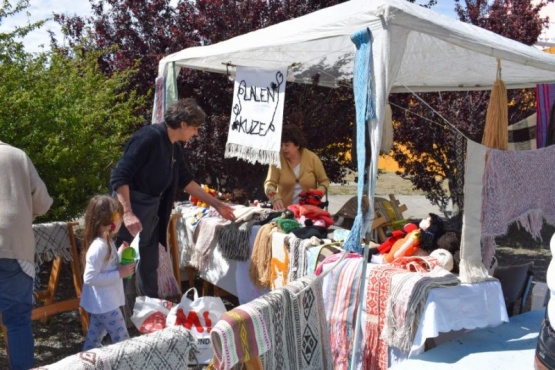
x=62 y=335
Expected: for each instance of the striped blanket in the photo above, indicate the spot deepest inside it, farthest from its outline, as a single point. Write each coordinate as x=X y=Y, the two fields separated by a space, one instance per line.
x=522 y=135
x=545 y=96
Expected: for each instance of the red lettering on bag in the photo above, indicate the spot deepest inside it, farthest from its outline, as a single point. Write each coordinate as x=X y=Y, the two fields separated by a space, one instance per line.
x=192 y=319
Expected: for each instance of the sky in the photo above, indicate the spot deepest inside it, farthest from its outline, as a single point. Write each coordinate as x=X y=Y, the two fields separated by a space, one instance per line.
x=42 y=9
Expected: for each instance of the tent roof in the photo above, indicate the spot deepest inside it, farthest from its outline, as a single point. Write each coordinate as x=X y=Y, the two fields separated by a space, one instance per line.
x=438 y=52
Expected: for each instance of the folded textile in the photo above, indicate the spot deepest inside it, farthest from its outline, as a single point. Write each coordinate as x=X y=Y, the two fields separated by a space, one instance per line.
x=406 y=302
x=233 y=240
x=240 y=335
x=206 y=239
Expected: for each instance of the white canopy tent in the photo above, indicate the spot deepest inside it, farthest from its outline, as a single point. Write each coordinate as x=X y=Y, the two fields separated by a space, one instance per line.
x=419 y=48
x=414 y=49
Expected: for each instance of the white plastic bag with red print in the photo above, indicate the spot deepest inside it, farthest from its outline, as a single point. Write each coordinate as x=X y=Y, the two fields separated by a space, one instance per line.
x=149 y=314
x=198 y=316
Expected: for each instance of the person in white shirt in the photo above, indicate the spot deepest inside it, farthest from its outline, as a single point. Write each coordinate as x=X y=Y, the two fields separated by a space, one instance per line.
x=23 y=196
x=102 y=294
x=545 y=350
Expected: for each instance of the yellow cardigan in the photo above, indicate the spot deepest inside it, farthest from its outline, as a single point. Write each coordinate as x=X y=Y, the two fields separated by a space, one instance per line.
x=280 y=183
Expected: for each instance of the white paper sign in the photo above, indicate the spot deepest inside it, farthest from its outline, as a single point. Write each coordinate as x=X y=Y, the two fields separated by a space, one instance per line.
x=257 y=115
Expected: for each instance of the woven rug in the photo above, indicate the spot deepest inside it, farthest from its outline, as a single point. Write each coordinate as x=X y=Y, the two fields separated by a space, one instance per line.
x=313 y=341
x=169 y=348
x=239 y=336
x=341 y=298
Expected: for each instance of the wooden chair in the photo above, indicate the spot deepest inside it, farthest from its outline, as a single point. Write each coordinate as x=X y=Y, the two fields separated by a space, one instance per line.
x=174 y=249
x=390 y=209
x=47 y=296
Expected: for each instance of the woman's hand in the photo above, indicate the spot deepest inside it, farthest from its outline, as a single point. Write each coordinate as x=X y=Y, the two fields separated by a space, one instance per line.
x=126 y=270
x=278 y=205
x=132 y=223
x=226 y=211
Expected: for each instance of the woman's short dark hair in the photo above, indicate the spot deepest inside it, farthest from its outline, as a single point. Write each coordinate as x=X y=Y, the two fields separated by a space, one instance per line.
x=293 y=134
x=184 y=110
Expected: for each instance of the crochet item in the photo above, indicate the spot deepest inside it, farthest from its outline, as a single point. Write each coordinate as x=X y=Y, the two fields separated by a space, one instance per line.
x=519 y=186
x=286 y=224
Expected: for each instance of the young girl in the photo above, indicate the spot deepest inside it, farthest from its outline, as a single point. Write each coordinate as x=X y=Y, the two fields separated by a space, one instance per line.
x=102 y=293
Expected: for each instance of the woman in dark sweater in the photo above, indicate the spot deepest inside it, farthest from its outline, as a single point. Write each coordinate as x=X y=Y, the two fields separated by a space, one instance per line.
x=146 y=179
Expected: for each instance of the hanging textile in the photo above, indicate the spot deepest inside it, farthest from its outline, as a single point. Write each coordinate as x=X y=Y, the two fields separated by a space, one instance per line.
x=457 y=192
x=257 y=115
x=364 y=103
x=522 y=135
x=159 y=100
x=545 y=96
x=471 y=269
x=497 y=115
x=518 y=187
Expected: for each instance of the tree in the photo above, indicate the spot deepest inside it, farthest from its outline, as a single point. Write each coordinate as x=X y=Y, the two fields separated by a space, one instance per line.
x=148 y=32
x=424 y=143
x=70 y=118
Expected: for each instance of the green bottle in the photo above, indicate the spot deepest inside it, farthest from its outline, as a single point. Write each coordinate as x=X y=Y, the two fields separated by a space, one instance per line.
x=127 y=257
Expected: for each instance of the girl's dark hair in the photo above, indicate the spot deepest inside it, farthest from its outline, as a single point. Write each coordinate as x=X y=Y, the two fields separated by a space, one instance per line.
x=184 y=110
x=100 y=212
x=429 y=237
x=293 y=134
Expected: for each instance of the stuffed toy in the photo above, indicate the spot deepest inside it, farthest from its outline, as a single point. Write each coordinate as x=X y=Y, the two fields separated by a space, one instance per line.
x=312 y=197
x=385 y=247
x=424 y=238
x=451 y=242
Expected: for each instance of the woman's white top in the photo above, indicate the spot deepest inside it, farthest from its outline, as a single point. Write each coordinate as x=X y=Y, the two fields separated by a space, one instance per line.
x=551 y=284
x=103 y=287
x=297 y=190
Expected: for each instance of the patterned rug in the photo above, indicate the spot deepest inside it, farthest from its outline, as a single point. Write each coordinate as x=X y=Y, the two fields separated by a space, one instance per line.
x=169 y=348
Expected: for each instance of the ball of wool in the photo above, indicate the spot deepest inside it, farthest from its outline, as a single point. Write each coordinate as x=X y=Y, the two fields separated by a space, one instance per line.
x=287 y=224
x=444 y=257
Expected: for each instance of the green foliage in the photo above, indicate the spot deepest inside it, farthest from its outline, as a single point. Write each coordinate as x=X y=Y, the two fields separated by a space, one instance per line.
x=72 y=121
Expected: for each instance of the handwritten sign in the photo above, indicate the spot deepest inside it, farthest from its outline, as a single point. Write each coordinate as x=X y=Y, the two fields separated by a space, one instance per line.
x=257 y=115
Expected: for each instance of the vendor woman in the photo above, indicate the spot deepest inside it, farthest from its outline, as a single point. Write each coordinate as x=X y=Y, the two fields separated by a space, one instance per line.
x=301 y=171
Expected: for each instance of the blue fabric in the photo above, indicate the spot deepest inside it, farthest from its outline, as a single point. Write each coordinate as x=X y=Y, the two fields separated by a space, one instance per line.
x=362 y=89
x=112 y=323
x=16 y=305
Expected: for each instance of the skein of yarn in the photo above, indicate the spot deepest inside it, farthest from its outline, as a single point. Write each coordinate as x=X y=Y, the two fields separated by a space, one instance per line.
x=444 y=257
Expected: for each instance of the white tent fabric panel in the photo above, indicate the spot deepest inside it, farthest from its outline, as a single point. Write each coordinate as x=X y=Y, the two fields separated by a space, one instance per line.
x=441 y=54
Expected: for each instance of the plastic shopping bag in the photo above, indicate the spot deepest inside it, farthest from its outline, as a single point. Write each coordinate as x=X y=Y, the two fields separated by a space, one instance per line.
x=149 y=314
x=199 y=316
